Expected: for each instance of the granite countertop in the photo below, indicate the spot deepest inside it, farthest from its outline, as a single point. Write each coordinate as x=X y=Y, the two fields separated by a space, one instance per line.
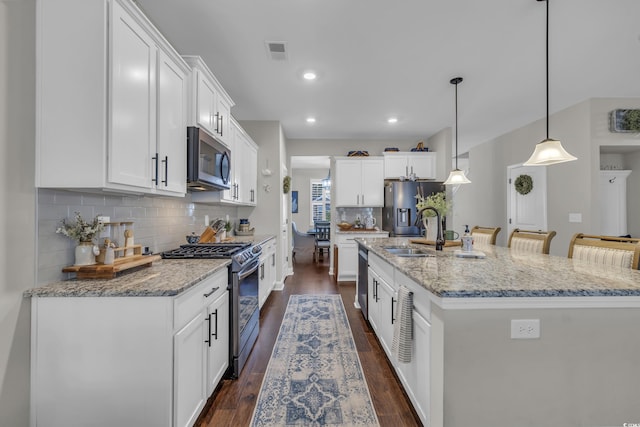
x=360 y=231
x=505 y=273
x=164 y=278
x=258 y=239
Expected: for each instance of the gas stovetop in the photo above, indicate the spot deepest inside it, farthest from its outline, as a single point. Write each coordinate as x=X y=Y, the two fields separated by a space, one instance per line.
x=205 y=250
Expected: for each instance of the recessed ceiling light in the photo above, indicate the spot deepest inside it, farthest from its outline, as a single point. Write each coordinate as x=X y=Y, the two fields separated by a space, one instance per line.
x=309 y=75
x=311 y=120
x=392 y=120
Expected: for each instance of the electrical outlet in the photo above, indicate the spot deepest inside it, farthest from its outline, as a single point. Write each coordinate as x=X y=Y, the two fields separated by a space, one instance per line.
x=525 y=329
x=206 y=220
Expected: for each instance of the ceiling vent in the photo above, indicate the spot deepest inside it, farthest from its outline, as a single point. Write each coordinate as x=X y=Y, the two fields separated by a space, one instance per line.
x=277 y=50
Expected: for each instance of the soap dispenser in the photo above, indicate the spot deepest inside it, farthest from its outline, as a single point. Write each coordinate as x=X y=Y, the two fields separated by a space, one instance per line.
x=467 y=240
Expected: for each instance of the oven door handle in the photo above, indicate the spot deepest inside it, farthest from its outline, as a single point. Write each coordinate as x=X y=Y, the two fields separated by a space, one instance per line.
x=249 y=269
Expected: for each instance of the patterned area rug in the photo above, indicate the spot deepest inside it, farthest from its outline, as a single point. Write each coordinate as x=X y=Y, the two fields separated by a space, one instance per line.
x=314 y=377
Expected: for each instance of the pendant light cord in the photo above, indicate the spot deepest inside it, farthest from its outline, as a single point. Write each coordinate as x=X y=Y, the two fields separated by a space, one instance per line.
x=456 y=126
x=455 y=81
x=547 y=64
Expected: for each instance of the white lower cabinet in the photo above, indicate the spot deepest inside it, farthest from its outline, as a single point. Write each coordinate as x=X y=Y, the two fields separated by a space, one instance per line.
x=348 y=252
x=415 y=376
x=267 y=274
x=128 y=361
x=380 y=298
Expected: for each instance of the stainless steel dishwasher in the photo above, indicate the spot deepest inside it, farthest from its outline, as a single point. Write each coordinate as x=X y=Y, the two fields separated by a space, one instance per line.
x=363 y=280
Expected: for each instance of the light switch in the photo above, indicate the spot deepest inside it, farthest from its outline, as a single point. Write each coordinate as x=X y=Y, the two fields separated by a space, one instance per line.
x=575 y=217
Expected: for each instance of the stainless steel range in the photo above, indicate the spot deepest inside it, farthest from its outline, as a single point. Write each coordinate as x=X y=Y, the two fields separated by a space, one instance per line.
x=243 y=287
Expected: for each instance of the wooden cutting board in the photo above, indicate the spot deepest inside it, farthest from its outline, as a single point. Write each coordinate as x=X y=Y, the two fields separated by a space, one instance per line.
x=432 y=243
x=101 y=271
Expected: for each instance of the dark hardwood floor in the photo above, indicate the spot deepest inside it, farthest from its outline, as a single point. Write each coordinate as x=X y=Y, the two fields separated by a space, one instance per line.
x=233 y=402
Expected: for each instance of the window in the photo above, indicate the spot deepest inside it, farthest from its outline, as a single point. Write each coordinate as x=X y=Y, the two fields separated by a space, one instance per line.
x=320 y=201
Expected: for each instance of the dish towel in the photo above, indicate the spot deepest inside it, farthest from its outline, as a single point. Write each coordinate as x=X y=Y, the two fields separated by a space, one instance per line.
x=402 y=343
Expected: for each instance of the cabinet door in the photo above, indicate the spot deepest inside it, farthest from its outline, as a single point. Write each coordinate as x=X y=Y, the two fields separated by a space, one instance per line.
x=251 y=174
x=386 y=301
x=190 y=371
x=218 y=345
x=133 y=102
x=347 y=260
x=372 y=183
x=416 y=375
x=395 y=166
x=172 y=122
x=206 y=101
x=423 y=165
x=348 y=182
x=373 y=306
x=223 y=111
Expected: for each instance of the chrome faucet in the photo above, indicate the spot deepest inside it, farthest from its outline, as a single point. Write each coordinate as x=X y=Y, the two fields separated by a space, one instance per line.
x=439 y=237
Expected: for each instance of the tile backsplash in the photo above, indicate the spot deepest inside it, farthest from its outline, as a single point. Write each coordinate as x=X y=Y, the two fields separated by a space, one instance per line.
x=161 y=223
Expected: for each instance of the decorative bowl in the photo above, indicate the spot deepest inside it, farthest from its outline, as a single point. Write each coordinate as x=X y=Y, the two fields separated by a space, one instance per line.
x=344 y=226
x=193 y=239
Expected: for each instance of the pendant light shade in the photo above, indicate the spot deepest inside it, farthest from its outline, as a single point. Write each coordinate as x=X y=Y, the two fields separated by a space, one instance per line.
x=548 y=151
x=456 y=176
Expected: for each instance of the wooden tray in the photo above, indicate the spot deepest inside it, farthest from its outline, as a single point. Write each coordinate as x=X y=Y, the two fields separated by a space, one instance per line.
x=432 y=243
x=101 y=271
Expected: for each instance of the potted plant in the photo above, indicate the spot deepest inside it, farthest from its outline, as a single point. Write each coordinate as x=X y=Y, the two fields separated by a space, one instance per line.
x=83 y=233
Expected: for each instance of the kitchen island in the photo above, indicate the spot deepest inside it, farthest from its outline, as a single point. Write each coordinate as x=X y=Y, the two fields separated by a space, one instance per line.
x=579 y=366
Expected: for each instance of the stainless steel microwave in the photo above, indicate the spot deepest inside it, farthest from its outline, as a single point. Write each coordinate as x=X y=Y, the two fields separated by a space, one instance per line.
x=208 y=162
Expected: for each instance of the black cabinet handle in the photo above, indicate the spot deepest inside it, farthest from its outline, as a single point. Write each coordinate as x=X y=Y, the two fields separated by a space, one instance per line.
x=392 y=302
x=166 y=170
x=221 y=123
x=208 y=341
x=215 y=334
x=155 y=159
x=207 y=295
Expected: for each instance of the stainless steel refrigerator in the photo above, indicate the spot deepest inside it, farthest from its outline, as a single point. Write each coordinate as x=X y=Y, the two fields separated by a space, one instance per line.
x=399 y=212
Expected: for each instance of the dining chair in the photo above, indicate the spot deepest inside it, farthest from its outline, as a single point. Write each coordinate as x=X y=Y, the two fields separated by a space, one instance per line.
x=607 y=250
x=301 y=241
x=484 y=236
x=323 y=238
x=530 y=241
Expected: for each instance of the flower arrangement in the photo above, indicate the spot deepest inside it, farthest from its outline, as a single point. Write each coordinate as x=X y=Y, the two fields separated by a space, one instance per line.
x=435 y=200
x=81 y=230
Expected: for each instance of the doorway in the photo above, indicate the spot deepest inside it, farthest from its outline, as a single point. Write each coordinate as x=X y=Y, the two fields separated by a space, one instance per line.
x=526 y=211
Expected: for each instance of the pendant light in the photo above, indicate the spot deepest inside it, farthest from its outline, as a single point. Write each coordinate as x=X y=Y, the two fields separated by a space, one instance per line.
x=456 y=176
x=548 y=151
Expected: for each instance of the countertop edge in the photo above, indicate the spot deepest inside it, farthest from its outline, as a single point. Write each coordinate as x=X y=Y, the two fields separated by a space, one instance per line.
x=525 y=298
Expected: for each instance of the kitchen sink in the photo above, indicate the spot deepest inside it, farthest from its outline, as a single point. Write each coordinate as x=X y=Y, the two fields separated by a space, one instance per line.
x=408 y=252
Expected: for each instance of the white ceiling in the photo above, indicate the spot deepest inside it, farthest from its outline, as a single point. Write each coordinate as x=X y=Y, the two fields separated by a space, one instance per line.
x=377 y=59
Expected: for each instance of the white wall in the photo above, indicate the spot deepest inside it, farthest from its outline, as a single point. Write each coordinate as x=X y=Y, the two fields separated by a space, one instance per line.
x=571 y=186
x=341 y=147
x=268 y=216
x=17 y=204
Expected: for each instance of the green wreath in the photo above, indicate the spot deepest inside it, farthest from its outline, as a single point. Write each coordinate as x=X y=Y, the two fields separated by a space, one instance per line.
x=286 y=184
x=524 y=184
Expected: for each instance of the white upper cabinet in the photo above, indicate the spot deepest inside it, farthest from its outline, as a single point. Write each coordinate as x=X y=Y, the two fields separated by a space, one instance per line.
x=404 y=164
x=210 y=105
x=359 y=181
x=111 y=100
